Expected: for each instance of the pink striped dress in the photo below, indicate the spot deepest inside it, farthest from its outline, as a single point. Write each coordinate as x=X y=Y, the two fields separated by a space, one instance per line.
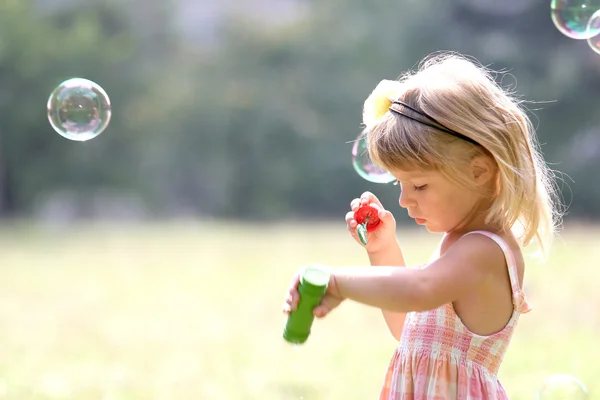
x=438 y=358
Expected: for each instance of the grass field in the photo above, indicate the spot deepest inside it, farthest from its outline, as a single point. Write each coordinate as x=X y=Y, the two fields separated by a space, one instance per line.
x=192 y=311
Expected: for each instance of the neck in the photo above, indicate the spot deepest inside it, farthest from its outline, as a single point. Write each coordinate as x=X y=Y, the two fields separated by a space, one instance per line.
x=475 y=221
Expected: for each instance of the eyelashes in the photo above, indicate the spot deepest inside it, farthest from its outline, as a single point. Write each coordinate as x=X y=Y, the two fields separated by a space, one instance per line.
x=416 y=188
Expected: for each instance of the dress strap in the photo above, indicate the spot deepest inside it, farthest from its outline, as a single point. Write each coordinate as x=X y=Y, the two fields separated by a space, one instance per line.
x=519 y=300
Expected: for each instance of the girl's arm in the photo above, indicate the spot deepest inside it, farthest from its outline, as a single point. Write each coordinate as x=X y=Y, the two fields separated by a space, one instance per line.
x=465 y=266
x=393 y=256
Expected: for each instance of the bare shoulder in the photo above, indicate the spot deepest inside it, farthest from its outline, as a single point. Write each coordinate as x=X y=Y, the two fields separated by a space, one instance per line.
x=482 y=251
x=472 y=257
x=468 y=266
x=475 y=248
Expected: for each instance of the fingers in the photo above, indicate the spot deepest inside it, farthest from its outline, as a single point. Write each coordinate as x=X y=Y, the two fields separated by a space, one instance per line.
x=370 y=198
x=320 y=311
x=383 y=214
x=291 y=303
x=291 y=300
x=287 y=304
x=350 y=221
x=366 y=198
x=327 y=304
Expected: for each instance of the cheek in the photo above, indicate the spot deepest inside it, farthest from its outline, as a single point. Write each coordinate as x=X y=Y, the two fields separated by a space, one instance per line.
x=460 y=206
x=435 y=201
x=447 y=208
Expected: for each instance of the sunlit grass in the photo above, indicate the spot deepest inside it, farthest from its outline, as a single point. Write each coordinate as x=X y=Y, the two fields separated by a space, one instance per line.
x=192 y=311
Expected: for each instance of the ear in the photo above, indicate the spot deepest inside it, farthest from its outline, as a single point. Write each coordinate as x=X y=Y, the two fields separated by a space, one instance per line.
x=483 y=170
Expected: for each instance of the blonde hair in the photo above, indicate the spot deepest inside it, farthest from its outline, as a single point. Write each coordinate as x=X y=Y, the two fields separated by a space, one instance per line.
x=465 y=98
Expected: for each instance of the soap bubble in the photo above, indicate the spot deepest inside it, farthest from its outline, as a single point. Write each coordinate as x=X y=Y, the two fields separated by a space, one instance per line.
x=571 y=17
x=79 y=109
x=365 y=167
x=562 y=387
x=594 y=26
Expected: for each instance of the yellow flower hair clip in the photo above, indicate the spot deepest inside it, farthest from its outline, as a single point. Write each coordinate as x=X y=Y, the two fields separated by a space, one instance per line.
x=380 y=100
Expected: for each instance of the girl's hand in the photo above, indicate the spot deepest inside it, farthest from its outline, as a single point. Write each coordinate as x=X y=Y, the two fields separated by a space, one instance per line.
x=331 y=300
x=384 y=236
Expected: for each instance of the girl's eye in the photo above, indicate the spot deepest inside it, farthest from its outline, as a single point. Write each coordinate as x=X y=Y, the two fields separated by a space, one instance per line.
x=417 y=188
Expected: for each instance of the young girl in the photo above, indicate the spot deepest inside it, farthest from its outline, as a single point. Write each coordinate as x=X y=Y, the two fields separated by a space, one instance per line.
x=467 y=162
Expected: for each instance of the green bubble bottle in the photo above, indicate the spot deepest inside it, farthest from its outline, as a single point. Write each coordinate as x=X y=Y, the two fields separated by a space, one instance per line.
x=312 y=288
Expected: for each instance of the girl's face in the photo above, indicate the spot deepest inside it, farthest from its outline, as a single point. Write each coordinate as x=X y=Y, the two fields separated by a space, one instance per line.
x=436 y=202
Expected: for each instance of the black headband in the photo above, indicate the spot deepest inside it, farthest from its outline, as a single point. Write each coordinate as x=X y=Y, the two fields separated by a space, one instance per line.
x=438 y=126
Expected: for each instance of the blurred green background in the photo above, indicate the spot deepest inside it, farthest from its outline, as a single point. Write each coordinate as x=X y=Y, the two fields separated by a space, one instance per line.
x=151 y=261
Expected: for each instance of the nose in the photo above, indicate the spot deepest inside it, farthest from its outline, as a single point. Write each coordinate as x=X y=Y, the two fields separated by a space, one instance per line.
x=404 y=200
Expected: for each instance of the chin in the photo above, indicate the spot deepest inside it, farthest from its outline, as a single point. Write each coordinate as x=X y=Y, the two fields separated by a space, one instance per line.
x=434 y=229
x=430 y=230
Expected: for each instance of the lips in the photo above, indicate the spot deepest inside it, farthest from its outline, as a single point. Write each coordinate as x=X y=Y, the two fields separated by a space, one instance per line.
x=419 y=221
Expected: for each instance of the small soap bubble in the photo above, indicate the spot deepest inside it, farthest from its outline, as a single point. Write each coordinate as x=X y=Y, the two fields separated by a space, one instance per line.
x=571 y=17
x=79 y=109
x=562 y=387
x=364 y=166
x=594 y=26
